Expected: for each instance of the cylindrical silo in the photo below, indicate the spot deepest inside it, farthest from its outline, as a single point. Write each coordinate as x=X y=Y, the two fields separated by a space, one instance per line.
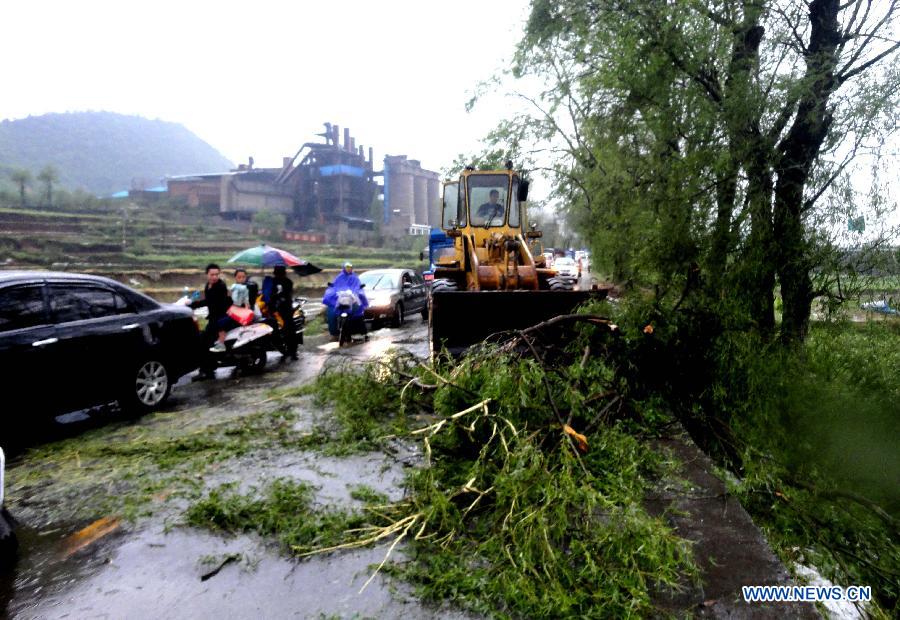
x=434 y=203
x=402 y=195
x=420 y=199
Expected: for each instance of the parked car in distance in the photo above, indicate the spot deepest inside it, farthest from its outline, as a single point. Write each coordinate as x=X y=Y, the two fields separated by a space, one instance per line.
x=566 y=267
x=394 y=294
x=70 y=341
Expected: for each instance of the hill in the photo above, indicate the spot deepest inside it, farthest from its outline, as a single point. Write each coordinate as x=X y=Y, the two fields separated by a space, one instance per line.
x=102 y=152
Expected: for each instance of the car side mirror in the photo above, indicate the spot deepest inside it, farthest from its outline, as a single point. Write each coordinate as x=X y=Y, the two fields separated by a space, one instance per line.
x=362 y=286
x=523 y=190
x=407 y=285
x=330 y=284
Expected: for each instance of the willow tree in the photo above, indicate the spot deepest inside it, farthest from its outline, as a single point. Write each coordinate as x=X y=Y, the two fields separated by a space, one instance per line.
x=21 y=177
x=698 y=141
x=48 y=176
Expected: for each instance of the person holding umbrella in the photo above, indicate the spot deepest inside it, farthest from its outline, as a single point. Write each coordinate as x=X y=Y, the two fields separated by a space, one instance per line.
x=282 y=303
x=277 y=291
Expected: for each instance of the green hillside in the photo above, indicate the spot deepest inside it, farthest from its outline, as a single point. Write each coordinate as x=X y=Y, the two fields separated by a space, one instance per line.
x=102 y=152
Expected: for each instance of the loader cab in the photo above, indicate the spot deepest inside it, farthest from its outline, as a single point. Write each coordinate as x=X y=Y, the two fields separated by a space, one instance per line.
x=451 y=212
x=487 y=200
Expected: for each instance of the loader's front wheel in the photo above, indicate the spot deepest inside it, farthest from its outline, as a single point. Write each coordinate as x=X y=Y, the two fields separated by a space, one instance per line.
x=443 y=285
x=558 y=284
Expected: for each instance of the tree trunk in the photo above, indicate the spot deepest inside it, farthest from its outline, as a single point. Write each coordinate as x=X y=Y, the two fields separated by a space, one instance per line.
x=750 y=151
x=793 y=264
x=761 y=259
x=799 y=150
x=722 y=241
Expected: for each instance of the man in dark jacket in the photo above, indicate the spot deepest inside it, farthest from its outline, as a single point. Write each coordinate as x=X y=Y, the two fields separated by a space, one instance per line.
x=283 y=298
x=215 y=297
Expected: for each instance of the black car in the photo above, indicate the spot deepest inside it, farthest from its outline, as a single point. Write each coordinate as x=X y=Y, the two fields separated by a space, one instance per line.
x=393 y=295
x=8 y=542
x=69 y=342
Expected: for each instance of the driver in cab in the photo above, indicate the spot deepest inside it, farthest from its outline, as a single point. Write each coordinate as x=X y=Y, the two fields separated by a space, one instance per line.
x=492 y=211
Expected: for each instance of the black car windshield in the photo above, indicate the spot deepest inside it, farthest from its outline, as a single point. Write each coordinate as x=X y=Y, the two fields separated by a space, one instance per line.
x=380 y=280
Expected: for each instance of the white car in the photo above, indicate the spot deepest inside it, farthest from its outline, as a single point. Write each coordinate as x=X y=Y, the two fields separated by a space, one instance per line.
x=566 y=267
x=7 y=537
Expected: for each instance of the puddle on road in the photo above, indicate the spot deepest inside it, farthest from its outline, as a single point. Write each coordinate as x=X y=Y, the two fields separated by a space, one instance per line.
x=161 y=571
x=413 y=338
x=143 y=566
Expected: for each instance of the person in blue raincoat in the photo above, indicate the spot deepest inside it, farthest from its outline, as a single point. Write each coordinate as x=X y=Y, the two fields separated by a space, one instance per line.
x=346 y=280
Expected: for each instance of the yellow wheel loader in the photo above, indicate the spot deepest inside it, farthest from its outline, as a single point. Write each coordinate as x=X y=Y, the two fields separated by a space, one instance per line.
x=495 y=279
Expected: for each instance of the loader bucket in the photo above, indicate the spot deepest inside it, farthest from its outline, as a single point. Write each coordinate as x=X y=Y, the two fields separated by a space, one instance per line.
x=460 y=319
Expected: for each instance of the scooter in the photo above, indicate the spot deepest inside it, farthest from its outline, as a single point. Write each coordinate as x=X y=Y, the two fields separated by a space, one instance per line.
x=347 y=310
x=348 y=321
x=247 y=346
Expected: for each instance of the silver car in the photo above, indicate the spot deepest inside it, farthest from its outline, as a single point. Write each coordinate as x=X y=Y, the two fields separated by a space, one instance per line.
x=393 y=295
x=566 y=267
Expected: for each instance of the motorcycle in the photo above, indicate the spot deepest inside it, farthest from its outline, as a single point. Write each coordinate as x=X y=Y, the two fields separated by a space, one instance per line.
x=347 y=314
x=349 y=321
x=247 y=346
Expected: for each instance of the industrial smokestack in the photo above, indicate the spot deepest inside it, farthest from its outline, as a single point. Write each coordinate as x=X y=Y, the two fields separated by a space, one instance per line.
x=328 y=134
x=360 y=152
x=335 y=135
x=346 y=138
x=352 y=145
x=371 y=155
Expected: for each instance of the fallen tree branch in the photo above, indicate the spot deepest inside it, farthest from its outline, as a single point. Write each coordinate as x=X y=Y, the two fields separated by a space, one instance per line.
x=859 y=499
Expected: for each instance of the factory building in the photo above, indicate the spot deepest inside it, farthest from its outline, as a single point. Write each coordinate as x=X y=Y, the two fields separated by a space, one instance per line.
x=328 y=187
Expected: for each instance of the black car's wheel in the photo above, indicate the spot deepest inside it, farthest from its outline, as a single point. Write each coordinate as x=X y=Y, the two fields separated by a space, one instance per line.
x=147 y=388
x=398 y=315
x=8 y=542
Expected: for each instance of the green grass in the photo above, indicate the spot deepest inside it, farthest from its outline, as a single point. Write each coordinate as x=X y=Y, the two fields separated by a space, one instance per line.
x=121 y=471
x=284 y=510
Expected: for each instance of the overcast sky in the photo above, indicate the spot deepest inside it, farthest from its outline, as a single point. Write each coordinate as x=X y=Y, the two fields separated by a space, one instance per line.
x=259 y=78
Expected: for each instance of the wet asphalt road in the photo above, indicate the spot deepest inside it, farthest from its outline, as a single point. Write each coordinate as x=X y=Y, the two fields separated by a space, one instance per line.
x=152 y=567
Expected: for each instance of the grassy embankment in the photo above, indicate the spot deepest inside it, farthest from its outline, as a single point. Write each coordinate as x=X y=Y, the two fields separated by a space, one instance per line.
x=40 y=239
x=822 y=464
